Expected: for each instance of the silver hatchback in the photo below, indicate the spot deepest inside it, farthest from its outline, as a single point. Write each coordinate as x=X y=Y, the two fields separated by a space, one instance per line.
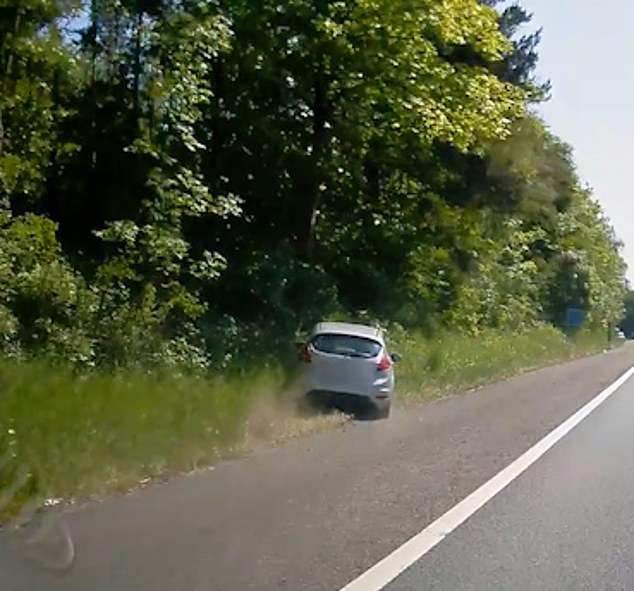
x=348 y=367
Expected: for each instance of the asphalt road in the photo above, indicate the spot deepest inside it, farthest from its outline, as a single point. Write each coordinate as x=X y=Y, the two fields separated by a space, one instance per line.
x=567 y=523
x=315 y=514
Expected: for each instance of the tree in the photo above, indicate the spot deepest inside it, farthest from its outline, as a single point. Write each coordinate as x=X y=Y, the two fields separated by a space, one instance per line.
x=520 y=64
x=349 y=103
x=627 y=322
x=245 y=168
x=591 y=271
x=36 y=71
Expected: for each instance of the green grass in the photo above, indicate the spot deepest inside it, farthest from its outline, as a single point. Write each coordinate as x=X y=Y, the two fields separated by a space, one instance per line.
x=85 y=435
x=67 y=435
x=453 y=363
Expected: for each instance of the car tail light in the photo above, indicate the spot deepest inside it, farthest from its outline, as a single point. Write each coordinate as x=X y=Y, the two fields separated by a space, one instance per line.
x=305 y=354
x=385 y=363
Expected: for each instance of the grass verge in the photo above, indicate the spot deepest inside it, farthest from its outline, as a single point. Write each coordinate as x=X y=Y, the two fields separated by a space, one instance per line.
x=454 y=363
x=64 y=435
x=84 y=435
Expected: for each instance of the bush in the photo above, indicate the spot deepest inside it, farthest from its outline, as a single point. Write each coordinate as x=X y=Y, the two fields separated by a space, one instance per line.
x=47 y=309
x=45 y=306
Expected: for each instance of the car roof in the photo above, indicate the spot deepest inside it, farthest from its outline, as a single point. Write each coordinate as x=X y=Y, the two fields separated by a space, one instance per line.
x=347 y=328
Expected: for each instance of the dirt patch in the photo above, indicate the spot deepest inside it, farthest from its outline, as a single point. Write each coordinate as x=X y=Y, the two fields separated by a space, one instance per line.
x=276 y=418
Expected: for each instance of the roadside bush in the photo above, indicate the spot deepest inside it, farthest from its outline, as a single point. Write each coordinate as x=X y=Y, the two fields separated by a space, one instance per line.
x=45 y=306
x=47 y=309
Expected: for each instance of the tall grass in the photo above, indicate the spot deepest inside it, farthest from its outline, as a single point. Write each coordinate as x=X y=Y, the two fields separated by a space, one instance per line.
x=455 y=362
x=84 y=434
x=69 y=435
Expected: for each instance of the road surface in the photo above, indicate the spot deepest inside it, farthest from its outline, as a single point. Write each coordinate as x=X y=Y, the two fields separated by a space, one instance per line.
x=316 y=514
x=567 y=523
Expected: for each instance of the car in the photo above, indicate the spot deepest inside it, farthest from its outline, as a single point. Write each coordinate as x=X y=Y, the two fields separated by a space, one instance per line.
x=347 y=367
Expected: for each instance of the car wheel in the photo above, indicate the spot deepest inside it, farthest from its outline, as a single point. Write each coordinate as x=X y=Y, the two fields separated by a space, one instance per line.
x=384 y=412
x=380 y=411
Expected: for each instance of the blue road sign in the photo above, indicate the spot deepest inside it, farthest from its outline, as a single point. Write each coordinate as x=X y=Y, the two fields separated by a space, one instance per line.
x=575 y=317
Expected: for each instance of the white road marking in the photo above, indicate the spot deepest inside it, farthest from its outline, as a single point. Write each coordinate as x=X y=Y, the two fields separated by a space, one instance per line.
x=385 y=571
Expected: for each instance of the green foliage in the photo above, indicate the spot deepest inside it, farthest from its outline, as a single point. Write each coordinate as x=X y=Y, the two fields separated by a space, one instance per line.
x=44 y=304
x=36 y=70
x=193 y=183
x=532 y=171
x=590 y=264
x=505 y=290
x=627 y=322
x=155 y=259
x=47 y=308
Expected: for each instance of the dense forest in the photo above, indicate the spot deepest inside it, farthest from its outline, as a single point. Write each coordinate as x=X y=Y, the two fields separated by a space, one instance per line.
x=191 y=181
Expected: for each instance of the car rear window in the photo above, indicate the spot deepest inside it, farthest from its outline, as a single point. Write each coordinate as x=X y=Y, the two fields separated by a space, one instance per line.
x=348 y=345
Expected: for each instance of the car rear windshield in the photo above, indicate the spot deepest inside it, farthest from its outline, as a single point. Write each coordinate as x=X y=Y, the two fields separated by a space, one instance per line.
x=347 y=345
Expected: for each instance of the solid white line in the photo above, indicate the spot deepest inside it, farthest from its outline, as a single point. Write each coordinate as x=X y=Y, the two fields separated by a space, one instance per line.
x=393 y=565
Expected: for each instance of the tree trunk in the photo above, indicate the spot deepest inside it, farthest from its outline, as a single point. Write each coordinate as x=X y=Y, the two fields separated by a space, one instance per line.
x=5 y=84
x=1 y=133
x=372 y=173
x=217 y=125
x=137 y=65
x=313 y=197
x=94 y=34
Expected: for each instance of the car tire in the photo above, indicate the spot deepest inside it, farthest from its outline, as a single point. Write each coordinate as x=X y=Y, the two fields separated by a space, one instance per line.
x=381 y=412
